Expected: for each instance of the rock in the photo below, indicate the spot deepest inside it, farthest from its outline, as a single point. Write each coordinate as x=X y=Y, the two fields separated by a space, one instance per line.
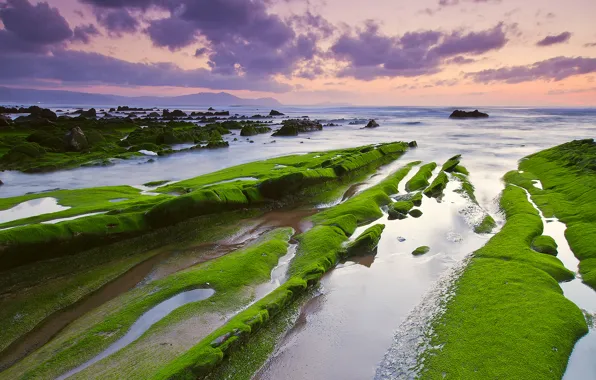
x=459 y=114
x=421 y=251
x=1 y=183
x=294 y=126
x=153 y=114
x=415 y=213
x=372 y=124
x=178 y=113
x=89 y=113
x=275 y=113
x=76 y=140
x=112 y=110
x=47 y=114
x=413 y=144
x=211 y=109
x=5 y=121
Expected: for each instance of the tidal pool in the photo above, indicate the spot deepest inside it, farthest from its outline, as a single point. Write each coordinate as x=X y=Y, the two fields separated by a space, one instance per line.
x=34 y=207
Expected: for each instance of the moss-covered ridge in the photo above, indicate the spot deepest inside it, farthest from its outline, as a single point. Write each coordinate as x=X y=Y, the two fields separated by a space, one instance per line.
x=568 y=176
x=508 y=317
x=277 y=179
x=319 y=250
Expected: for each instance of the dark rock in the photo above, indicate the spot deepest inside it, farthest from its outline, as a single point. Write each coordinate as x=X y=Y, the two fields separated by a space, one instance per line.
x=459 y=114
x=413 y=144
x=153 y=114
x=76 y=140
x=47 y=114
x=178 y=113
x=250 y=130
x=211 y=109
x=89 y=113
x=112 y=110
x=372 y=124
x=5 y=121
x=294 y=126
x=217 y=144
x=275 y=113
x=416 y=213
x=1 y=183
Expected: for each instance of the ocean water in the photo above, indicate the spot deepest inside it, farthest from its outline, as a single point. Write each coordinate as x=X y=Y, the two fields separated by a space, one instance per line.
x=490 y=147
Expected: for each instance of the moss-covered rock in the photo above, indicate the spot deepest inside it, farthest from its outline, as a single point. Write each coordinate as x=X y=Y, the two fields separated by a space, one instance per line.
x=420 y=180
x=545 y=244
x=293 y=127
x=252 y=130
x=367 y=242
x=487 y=225
x=436 y=189
x=415 y=213
x=451 y=164
x=421 y=251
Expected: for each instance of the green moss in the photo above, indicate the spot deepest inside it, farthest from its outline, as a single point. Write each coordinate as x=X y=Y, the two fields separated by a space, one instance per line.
x=420 y=180
x=366 y=242
x=486 y=225
x=439 y=184
x=156 y=183
x=466 y=187
x=227 y=275
x=545 y=244
x=399 y=210
x=507 y=306
x=421 y=251
x=461 y=169
x=451 y=164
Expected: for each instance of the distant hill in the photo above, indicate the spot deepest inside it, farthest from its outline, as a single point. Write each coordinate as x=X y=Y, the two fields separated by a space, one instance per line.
x=57 y=97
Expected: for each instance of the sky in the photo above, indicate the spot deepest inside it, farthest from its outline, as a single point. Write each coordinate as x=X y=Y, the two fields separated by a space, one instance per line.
x=374 y=52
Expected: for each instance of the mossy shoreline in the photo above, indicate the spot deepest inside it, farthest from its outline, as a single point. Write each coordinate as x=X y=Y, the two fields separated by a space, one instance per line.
x=509 y=317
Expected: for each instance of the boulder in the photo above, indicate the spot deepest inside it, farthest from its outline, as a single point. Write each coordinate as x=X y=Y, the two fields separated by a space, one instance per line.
x=46 y=114
x=372 y=124
x=275 y=113
x=459 y=114
x=413 y=144
x=178 y=113
x=1 y=183
x=76 y=140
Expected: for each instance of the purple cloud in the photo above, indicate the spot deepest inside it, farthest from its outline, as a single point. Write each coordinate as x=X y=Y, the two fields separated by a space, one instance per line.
x=473 y=42
x=173 y=33
x=37 y=24
x=591 y=44
x=83 y=33
x=553 y=40
x=555 y=69
x=370 y=54
x=117 y=21
x=78 y=67
x=459 y=60
x=201 y=52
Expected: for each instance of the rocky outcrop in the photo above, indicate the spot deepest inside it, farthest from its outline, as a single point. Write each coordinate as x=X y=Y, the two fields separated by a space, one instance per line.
x=76 y=140
x=275 y=113
x=293 y=127
x=459 y=114
x=5 y=121
x=251 y=130
x=89 y=113
x=372 y=124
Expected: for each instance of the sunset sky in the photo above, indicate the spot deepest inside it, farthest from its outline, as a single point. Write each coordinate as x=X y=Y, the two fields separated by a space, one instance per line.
x=375 y=52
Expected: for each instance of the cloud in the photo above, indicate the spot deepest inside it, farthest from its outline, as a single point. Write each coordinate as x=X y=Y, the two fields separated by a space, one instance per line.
x=459 y=60
x=555 y=69
x=573 y=91
x=553 y=40
x=39 y=24
x=83 y=33
x=369 y=54
x=591 y=44
x=173 y=33
x=78 y=67
x=117 y=22
x=450 y=3
x=201 y=52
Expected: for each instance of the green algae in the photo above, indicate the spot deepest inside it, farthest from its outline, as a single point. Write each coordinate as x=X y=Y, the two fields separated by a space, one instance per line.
x=415 y=213
x=451 y=164
x=366 y=242
x=486 y=226
x=420 y=180
x=40 y=289
x=545 y=244
x=227 y=275
x=421 y=251
x=507 y=304
x=436 y=188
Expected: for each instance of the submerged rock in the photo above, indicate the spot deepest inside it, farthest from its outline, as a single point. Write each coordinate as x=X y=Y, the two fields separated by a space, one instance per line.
x=372 y=124
x=421 y=251
x=459 y=114
x=76 y=140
